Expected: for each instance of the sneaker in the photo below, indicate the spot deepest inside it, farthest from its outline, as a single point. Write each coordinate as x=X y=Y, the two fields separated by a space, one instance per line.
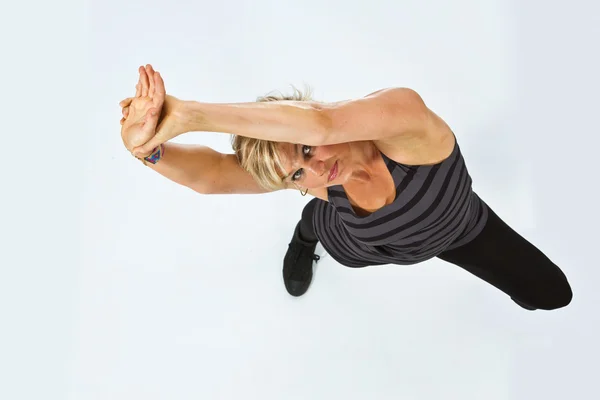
x=297 y=264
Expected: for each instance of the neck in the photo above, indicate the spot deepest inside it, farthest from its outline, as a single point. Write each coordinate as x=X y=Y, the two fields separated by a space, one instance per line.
x=364 y=155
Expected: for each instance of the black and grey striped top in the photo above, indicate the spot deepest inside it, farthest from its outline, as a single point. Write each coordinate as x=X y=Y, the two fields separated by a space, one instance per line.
x=435 y=209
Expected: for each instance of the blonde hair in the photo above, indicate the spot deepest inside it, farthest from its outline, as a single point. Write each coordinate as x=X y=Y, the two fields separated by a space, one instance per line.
x=260 y=158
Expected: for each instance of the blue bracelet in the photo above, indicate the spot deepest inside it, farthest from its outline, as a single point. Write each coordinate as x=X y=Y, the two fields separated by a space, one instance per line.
x=156 y=155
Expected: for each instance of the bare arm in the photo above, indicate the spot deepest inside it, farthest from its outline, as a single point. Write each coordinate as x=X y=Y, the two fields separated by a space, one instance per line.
x=232 y=178
x=204 y=170
x=278 y=121
x=382 y=115
x=387 y=114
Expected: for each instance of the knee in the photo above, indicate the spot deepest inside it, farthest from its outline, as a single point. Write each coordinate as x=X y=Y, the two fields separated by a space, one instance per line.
x=309 y=208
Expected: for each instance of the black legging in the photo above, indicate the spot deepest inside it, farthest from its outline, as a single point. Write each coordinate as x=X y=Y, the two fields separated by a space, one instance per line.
x=501 y=257
x=506 y=260
x=307 y=229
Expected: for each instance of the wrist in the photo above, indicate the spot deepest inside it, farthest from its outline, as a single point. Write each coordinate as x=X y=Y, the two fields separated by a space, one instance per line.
x=147 y=154
x=154 y=156
x=192 y=117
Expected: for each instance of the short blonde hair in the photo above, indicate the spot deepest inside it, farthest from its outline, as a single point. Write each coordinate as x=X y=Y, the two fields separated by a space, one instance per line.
x=260 y=157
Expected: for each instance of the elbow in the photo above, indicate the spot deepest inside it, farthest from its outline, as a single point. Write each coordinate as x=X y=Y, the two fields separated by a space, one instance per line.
x=325 y=126
x=386 y=113
x=410 y=100
x=201 y=188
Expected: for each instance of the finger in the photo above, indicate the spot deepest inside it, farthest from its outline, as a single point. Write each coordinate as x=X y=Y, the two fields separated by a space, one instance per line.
x=159 y=138
x=150 y=72
x=144 y=79
x=122 y=121
x=138 y=87
x=159 y=85
x=148 y=147
x=126 y=102
x=151 y=120
x=125 y=112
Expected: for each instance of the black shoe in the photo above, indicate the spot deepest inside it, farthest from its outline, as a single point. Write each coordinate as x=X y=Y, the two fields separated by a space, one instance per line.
x=525 y=306
x=297 y=264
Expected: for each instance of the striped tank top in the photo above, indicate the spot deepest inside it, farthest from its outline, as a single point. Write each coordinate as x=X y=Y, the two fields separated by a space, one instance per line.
x=435 y=209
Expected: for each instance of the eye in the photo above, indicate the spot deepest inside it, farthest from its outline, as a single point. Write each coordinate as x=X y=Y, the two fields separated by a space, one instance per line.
x=306 y=152
x=297 y=175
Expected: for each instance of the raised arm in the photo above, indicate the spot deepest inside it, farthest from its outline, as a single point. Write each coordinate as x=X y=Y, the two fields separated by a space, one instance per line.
x=382 y=115
x=205 y=170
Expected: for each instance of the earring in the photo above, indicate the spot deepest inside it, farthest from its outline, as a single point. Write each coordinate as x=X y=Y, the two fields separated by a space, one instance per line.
x=304 y=194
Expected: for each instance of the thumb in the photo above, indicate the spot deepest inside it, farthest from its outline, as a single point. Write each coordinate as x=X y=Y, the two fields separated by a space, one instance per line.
x=151 y=119
x=147 y=147
x=126 y=102
x=161 y=136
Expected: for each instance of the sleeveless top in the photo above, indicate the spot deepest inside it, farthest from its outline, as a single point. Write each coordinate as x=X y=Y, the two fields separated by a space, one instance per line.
x=435 y=209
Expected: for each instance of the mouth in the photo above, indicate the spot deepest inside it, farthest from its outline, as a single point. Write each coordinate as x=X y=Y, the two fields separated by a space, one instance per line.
x=333 y=172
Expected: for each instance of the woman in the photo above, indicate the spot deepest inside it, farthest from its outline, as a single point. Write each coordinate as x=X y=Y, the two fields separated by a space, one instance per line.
x=389 y=181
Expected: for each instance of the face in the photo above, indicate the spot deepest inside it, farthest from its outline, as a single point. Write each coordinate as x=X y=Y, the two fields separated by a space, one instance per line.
x=311 y=167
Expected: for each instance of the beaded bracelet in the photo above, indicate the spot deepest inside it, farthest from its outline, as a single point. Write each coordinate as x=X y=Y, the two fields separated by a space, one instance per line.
x=155 y=156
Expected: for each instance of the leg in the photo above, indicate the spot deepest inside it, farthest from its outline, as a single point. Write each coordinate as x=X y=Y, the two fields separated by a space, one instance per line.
x=298 y=260
x=307 y=229
x=504 y=259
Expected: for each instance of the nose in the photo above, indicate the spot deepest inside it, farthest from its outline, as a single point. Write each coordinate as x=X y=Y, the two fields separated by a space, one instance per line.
x=317 y=167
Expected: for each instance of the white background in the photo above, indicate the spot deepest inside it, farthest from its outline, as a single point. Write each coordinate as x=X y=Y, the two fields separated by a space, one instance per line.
x=120 y=284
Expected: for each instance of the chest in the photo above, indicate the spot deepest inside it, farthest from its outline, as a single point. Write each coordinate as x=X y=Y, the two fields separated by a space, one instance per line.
x=366 y=198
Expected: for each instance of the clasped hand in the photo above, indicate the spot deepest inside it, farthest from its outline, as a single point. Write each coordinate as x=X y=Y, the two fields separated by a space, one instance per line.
x=151 y=117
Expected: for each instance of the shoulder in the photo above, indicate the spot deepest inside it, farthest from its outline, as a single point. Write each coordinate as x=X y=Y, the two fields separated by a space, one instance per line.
x=431 y=146
x=381 y=115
